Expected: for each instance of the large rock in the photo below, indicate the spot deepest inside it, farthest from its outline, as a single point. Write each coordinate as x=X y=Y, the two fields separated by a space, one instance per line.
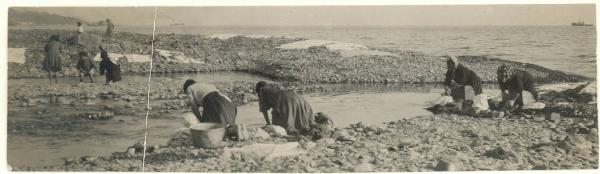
x=275 y=130
x=445 y=164
x=363 y=167
x=325 y=142
x=258 y=133
x=554 y=117
x=576 y=144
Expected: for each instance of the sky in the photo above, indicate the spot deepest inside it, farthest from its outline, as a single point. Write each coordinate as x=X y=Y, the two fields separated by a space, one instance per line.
x=338 y=15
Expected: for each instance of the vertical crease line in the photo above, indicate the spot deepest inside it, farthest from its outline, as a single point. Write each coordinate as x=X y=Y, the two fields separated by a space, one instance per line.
x=148 y=94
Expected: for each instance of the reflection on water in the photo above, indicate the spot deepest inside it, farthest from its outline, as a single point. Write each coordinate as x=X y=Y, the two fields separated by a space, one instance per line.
x=345 y=103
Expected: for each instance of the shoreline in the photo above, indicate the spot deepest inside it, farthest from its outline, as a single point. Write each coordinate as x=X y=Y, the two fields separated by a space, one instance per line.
x=166 y=159
x=416 y=144
x=316 y=64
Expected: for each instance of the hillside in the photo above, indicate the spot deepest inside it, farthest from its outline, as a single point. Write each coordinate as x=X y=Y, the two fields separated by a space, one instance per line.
x=21 y=18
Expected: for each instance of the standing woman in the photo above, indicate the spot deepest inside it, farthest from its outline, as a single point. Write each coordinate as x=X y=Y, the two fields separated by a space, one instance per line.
x=110 y=28
x=289 y=110
x=209 y=105
x=110 y=67
x=79 y=32
x=52 y=60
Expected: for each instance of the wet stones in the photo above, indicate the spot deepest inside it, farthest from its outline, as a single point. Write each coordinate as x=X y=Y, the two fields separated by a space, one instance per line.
x=363 y=167
x=553 y=117
x=325 y=142
x=539 y=118
x=500 y=153
x=445 y=164
x=576 y=144
x=102 y=115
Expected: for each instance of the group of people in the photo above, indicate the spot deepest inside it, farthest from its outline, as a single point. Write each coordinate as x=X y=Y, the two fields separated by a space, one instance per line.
x=110 y=28
x=288 y=109
x=512 y=82
x=293 y=112
x=53 y=59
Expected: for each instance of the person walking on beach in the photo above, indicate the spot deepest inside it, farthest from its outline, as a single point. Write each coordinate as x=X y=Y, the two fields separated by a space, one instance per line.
x=288 y=109
x=459 y=79
x=512 y=83
x=86 y=67
x=208 y=104
x=52 y=60
x=110 y=28
x=79 y=32
x=109 y=67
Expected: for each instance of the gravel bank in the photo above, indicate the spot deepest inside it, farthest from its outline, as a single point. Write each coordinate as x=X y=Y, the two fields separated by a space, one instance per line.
x=261 y=56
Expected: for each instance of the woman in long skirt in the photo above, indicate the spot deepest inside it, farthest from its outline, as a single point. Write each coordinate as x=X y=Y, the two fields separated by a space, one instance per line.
x=208 y=104
x=288 y=109
x=52 y=60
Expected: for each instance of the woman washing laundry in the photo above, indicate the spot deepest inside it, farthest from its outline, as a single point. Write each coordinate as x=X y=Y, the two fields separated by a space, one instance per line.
x=512 y=83
x=288 y=109
x=458 y=77
x=110 y=67
x=463 y=84
x=208 y=104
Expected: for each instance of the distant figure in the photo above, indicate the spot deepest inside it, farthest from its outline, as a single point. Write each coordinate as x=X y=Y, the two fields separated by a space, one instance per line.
x=513 y=81
x=289 y=110
x=86 y=66
x=110 y=67
x=110 y=28
x=79 y=32
x=208 y=104
x=52 y=60
x=459 y=77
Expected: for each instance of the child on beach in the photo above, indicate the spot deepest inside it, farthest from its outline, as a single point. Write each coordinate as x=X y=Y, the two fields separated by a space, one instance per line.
x=110 y=67
x=86 y=66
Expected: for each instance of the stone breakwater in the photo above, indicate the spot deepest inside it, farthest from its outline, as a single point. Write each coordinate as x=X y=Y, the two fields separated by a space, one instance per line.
x=262 y=56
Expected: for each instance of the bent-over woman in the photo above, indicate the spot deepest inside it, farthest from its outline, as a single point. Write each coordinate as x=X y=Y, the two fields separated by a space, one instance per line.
x=459 y=76
x=288 y=109
x=109 y=66
x=515 y=82
x=216 y=107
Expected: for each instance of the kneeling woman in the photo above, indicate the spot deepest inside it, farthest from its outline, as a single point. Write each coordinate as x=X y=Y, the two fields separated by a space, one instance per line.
x=216 y=107
x=289 y=110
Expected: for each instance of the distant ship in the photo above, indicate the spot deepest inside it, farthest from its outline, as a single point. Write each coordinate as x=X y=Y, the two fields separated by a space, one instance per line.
x=580 y=23
x=177 y=24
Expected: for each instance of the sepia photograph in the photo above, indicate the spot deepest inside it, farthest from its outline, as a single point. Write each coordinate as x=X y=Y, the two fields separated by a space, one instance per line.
x=302 y=89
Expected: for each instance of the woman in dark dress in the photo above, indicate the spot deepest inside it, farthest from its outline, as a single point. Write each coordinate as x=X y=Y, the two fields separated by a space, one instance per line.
x=459 y=76
x=513 y=81
x=52 y=60
x=288 y=109
x=110 y=67
x=216 y=107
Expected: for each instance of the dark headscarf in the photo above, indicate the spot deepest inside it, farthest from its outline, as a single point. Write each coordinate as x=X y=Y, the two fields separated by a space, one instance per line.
x=54 y=37
x=187 y=84
x=260 y=85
